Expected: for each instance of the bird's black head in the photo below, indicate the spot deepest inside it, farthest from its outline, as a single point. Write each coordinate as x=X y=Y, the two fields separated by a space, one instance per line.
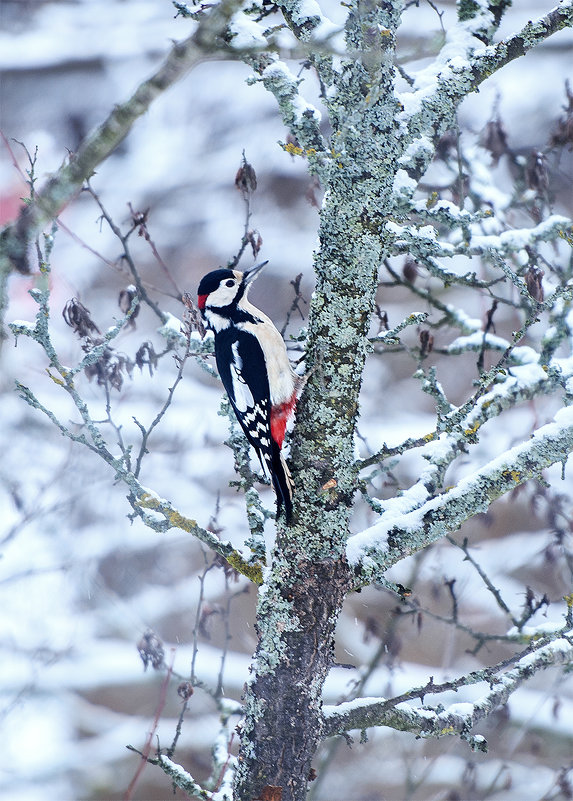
x=221 y=293
x=223 y=283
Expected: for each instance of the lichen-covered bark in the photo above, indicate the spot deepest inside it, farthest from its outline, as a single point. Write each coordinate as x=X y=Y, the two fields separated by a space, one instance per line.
x=303 y=593
x=303 y=596
x=297 y=615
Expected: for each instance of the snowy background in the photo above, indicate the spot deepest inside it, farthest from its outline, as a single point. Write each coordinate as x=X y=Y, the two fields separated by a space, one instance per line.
x=80 y=583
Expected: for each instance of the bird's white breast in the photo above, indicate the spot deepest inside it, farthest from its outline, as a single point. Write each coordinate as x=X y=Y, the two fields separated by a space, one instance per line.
x=282 y=379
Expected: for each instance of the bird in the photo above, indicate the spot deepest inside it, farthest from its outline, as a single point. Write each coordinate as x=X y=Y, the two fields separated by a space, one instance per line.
x=254 y=367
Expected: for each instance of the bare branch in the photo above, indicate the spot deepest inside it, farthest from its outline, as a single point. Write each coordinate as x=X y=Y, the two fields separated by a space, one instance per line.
x=64 y=185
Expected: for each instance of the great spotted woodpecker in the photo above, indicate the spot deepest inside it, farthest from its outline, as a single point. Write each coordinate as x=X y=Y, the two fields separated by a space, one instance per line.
x=254 y=368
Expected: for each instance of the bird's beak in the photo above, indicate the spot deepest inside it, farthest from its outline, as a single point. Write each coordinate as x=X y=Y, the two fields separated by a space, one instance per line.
x=250 y=275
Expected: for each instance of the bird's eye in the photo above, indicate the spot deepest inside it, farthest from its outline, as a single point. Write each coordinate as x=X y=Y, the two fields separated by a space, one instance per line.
x=230 y=282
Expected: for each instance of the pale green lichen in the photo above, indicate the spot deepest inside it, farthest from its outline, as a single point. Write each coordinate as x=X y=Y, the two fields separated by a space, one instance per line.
x=276 y=618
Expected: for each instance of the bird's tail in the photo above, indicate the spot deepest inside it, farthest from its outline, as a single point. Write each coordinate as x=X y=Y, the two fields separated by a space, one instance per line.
x=282 y=482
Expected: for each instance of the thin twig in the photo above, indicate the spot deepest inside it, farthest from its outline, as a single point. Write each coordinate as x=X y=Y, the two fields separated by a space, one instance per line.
x=295 y=305
x=147 y=747
x=123 y=238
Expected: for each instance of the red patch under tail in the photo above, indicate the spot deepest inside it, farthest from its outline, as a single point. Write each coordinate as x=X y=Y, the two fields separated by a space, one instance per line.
x=280 y=416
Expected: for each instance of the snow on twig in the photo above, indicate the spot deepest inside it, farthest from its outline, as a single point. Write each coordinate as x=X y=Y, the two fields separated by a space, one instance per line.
x=458 y=718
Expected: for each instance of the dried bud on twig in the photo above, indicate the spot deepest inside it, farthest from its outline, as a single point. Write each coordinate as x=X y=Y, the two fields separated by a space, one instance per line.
x=256 y=242
x=109 y=368
x=193 y=315
x=426 y=342
x=536 y=172
x=371 y=629
x=78 y=317
x=146 y=355
x=446 y=145
x=410 y=270
x=246 y=178
x=185 y=690
x=494 y=139
x=312 y=191
x=460 y=188
x=139 y=220
x=563 y=133
x=151 y=650
x=382 y=316
x=533 y=281
x=489 y=323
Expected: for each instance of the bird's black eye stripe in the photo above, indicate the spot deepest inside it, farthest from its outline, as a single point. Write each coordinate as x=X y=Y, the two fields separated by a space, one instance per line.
x=230 y=283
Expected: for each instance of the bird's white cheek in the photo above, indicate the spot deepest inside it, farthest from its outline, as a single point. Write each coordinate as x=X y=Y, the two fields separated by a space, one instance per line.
x=222 y=296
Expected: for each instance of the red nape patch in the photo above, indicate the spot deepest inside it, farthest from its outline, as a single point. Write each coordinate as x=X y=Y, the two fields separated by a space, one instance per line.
x=280 y=416
x=201 y=300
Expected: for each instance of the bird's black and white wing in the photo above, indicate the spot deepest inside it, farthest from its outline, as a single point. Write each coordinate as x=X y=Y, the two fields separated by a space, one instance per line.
x=241 y=365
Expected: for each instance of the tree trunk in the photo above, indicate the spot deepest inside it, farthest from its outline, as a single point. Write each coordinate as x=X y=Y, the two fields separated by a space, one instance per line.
x=303 y=593
x=283 y=727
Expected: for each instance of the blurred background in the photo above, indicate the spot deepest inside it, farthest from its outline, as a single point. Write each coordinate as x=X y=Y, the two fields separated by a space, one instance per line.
x=80 y=583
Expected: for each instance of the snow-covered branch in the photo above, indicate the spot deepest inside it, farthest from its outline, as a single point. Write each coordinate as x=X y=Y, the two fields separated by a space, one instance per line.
x=182 y=778
x=461 y=67
x=424 y=243
x=458 y=718
x=482 y=19
x=301 y=117
x=390 y=336
x=373 y=551
x=490 y=59
x=302 y=16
